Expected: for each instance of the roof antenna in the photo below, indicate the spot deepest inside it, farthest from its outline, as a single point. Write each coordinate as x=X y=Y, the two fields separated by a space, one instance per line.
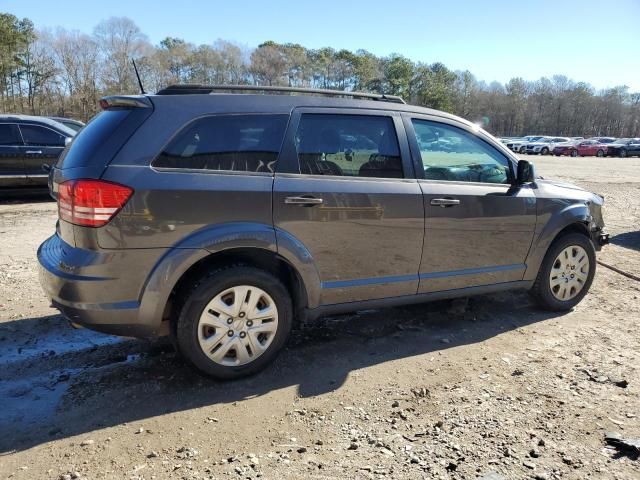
x=135 y=68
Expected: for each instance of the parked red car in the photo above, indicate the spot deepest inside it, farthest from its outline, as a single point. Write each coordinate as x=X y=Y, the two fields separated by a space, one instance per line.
x=582 y=148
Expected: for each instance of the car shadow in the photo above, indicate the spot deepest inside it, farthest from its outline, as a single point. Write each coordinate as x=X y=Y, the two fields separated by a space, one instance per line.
x=627 y=240
x=10 y=196
x=57 y=382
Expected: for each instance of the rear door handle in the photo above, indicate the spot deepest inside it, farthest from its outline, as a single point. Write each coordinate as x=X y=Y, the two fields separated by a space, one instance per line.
x=33 y=152
x=303 y=201
x=445 y=202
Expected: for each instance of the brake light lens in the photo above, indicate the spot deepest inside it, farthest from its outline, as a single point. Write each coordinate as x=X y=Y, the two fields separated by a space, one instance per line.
x=91 y=203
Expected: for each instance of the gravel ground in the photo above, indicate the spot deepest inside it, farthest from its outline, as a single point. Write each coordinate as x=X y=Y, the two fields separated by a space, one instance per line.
x=486 y=388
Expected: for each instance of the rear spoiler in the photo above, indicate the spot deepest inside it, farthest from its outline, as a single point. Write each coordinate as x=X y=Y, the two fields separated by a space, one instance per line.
x=125 y=101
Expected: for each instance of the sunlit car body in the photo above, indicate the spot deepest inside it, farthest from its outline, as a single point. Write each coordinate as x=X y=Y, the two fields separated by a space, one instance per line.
x=544 y=146
x=584 y=148
x=519 y=145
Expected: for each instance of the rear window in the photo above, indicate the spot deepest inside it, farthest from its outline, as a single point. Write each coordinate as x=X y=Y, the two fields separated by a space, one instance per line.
x=238 y=143
x=92 y=138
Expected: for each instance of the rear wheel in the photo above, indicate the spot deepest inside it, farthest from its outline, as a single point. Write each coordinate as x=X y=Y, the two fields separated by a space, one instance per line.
x=600 y=153
x=566 y=273
x=234 y=322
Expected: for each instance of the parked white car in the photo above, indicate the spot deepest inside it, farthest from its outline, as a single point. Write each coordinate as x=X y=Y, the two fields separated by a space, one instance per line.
x=517 y=145
x=545 y=145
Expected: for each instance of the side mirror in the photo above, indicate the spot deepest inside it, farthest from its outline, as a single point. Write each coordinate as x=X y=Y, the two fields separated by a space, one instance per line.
x=526 y=172
x=67 y=140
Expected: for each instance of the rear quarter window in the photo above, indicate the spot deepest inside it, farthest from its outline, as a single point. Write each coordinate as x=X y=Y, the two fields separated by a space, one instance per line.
x=238 y=143
x=92 y=138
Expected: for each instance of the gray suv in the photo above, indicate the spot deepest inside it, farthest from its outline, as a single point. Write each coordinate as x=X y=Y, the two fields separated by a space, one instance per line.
x=221 y=218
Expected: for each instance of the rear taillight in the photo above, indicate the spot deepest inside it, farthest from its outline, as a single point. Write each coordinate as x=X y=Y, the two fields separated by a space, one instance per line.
x=91 y=203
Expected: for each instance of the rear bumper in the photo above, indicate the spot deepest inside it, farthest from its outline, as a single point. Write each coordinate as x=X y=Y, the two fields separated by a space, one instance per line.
x=99 y=290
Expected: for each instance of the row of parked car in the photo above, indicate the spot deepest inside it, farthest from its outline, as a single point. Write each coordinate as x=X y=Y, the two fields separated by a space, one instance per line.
x=30 y=145
x=574 y=146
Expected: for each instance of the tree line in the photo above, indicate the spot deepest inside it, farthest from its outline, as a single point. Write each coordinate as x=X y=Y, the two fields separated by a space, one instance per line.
x=62 y=72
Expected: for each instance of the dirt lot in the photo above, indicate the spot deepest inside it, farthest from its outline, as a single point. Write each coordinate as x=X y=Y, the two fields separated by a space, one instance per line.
x=491 y=389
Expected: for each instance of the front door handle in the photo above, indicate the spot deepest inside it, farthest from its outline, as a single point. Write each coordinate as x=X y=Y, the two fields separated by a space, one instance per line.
x=445 y=202
x=34 y=152
x=303 y=201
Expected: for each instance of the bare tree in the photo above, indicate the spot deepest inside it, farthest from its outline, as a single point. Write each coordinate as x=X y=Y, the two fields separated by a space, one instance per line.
x=120 y=40
x=65 y=73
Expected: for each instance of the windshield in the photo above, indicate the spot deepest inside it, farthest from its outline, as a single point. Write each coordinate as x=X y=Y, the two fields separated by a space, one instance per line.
x=623 y=140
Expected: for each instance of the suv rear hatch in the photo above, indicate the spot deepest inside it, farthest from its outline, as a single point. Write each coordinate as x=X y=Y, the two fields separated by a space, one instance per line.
x=83 y=199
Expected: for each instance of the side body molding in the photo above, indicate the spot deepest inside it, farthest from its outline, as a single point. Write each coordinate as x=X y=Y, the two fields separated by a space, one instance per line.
x=552 y=218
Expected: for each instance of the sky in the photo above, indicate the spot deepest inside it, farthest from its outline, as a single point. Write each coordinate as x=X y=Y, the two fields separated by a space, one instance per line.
x=586 y=40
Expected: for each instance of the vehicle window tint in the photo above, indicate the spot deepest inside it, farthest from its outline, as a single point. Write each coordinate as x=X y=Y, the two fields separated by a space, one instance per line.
x=350 y=145
x=36 y=135
x=240 y=143
x=453 y=154
x=9 y=134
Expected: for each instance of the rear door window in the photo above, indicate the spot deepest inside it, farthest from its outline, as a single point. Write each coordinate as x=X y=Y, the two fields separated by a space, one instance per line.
x=348 y=145
x=10 y=135
x=238 y=143
x=37 y=136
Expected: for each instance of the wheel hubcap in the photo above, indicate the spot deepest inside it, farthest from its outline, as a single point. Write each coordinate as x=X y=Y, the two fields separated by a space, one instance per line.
x=238 y=325
x=569 y=273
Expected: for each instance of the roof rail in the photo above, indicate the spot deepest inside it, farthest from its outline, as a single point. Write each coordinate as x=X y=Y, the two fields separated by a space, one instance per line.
x=191 y=89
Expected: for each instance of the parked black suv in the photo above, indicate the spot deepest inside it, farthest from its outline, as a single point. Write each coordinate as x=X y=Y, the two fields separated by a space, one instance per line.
x=221 y=218
x=26 y=144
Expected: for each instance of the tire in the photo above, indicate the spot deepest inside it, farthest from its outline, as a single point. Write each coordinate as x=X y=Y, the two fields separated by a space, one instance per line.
x=544 y=151
x=226 y=359
x=563 y=294
x=522 y=150
x=574 y=153
x=622 y=154
x=600 y=153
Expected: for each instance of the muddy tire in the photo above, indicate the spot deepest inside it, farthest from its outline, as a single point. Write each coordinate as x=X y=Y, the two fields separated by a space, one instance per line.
x=566 y=273
x=234 y=322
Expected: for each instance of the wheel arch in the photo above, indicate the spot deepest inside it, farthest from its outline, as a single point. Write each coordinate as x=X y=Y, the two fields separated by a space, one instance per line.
x=263 y=259
x=572 y=219
x=216 y=246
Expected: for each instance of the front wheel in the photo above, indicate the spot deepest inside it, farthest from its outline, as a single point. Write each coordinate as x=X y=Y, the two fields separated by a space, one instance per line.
x=600 y=153
x=574 y=153
x=566 y=273
x=545 y=151
x=234 y=322
x=622 y=154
